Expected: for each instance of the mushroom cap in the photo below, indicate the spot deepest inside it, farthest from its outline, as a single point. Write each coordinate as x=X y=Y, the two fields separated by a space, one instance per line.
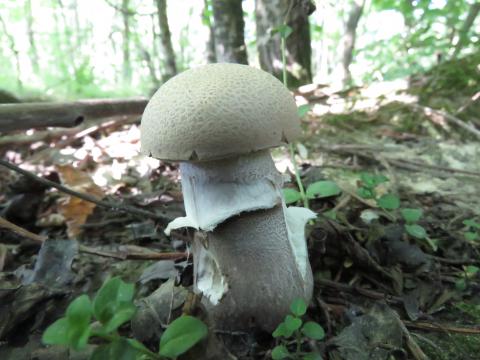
x=217 y=111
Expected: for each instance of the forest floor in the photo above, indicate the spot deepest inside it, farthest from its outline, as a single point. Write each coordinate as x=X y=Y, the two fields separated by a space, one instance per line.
x=385 y=288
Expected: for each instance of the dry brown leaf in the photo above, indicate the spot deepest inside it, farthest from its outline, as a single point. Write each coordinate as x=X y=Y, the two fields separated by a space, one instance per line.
x=73 y=209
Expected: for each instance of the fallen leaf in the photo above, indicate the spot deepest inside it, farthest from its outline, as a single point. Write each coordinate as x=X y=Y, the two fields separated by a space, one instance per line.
x=75 y=210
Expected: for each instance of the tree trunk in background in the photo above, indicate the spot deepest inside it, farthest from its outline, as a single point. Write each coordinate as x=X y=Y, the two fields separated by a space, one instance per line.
x=166 y=41
x=31 y=37
x=126 y=69
x=462 y=36
x=14 y=50
x=228 y=31
x=207 y=21
x=349 y=39
x=269 y=15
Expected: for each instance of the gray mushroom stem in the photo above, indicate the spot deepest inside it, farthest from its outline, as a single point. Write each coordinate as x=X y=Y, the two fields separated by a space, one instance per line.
x=250 y=256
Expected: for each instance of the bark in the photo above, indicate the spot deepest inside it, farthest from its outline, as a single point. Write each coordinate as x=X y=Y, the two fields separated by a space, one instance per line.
x=349 y=39
x=463 y=34
x=170 y=67
x=210 y=48
x=127 y=69
x=31 y=36
x=229 y=31
x=65 y=114
x=269 y=15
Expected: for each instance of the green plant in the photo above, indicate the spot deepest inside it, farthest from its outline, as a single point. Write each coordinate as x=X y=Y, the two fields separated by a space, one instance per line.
x=468 y=273
x=368 y=190
x=319 y=189
x=112 y=307
x=293 y=328
x=472 y=231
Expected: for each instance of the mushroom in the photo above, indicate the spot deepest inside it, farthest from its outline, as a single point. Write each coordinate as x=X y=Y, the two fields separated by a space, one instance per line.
x=250 y=254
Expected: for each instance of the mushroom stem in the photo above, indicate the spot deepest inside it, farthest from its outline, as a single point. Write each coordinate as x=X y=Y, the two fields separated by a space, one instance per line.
x=251 y=261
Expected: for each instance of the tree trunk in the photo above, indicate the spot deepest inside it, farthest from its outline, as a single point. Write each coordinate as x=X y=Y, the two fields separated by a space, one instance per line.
x=207 y=21
x=127 y=69
x=462 y=36
x=166 y=41
x=228 y=31
x=65 y=114
x=349 y=39
x=31 y=37
x=271 y=14
x=14 y=50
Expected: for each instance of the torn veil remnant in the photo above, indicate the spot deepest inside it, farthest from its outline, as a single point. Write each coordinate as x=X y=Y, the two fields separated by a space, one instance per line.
x=253 y=261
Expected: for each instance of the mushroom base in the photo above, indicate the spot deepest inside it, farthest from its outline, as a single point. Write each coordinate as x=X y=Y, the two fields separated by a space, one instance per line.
x=254 y=255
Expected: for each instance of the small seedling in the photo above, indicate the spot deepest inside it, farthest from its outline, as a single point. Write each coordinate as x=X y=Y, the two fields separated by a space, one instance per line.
x=316 y=190
x=293 y=328
x=472 y=231
x=112 y=307
x=368 y=190
x=468 y=273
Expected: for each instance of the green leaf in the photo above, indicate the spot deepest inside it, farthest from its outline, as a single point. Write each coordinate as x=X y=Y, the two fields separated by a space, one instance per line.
x=79 y=315
x=123 y=314
x=302 y=110
x=461 y=284
x=372 y=180
x=80 y=310
x=389 y=202
x=284 y=30
x=471 y=223
x=56 y=333
x=313 y=330
x=471 y=270
x=471 y=236
x=292 y=323
x=416 y=231
x=118 y=349
x=280 y=352
x=322 y=189
x=281 y=330
x=113 y=296
x=291 y=195
x=366 y=193
x=411 y=215
x=332 y=215
x=181 y=335
x=298 y=307
x=312 y=356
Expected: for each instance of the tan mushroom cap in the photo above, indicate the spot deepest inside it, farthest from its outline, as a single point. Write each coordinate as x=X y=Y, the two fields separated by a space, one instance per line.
x=217 y=111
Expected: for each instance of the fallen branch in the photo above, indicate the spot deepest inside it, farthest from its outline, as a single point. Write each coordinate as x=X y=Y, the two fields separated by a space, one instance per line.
x=428 y=111
x=65 y=114
x=150 y=255
x=105 y=204
x=442 y=328
x=361 y=291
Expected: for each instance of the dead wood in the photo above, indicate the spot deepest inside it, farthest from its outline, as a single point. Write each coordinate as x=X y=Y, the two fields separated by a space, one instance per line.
x=65 y=114
x=87 y=197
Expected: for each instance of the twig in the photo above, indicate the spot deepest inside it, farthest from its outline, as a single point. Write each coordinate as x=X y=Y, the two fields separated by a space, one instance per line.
x=412 y=345
x=442 y=328
x=361 y=291
x=428 y=111
x=435 y=167
x=86 y=197
x=89 y=250
x=353 y=150
x=454 y=261
x=21 y=231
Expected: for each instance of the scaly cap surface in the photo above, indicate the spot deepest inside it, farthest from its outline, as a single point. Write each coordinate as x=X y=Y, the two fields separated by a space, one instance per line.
x=217 y=111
